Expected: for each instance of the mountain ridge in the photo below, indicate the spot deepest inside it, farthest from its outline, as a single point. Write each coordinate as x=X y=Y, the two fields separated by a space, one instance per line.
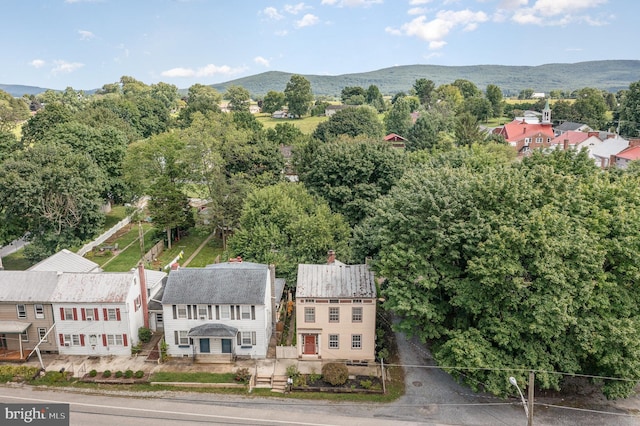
x=609 y=75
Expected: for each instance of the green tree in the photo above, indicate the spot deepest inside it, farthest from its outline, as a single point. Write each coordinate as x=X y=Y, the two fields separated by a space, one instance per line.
x=273 y=101
x=525 y=94
x=353 y=95
x=169 y=207
x=284 y=225
x=45 y=120
x=467 y=88
x=629 y=121
x=450 y=94
x=200 y=98
x=398 y=119
x=298 y=95
x=494 y=96
x=374 y=98
x=467 y=130
x=591 y=107
x=422 y=135
x=479 y=107
x=351 y=175
x=52 y=192
x=12 y=111
x=238 y=97
x=8 y=144
x=424 y=90
x=354 y=121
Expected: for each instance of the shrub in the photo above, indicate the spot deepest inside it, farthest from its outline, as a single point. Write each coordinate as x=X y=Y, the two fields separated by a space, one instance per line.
x=144 y=334
x=139 y=374
x=242 y=375
x=300 y=380
x=118 y=374
x=106 y=373
x=314 y=377
x=366 y=384
x=335 y=373
x=136 y=349
x=292 y=371
x=93 y=373
x=128 y=374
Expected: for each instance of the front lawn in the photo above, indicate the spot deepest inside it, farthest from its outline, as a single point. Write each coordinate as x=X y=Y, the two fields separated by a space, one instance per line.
x=168 y=376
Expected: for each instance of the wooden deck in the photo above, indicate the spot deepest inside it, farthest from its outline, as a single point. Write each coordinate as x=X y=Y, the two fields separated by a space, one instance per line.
x=7 y=355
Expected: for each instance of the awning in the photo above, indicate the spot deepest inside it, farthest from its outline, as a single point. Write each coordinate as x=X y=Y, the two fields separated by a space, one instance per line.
x=213 y=330
x=13 y=327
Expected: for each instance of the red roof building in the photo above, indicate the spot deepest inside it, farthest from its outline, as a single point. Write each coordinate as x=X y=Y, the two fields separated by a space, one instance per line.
x=525 y=137
x=397 y=141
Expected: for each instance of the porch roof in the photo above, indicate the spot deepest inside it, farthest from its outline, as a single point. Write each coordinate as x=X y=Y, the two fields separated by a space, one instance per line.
x=13 y=327
x=213 y=330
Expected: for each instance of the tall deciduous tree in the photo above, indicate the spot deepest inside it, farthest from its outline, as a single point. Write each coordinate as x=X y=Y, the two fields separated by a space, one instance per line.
x=424 y=90
x=201 y=99
x=169 y=207
x=12 y=111
x=398 y=118
x=591 y=107
x=630 y=111
x=285 y=225
x=273 y=101
x=238 y=98
x=494 y=96
x=354 y=121
x=374 y=98
x=298 y=95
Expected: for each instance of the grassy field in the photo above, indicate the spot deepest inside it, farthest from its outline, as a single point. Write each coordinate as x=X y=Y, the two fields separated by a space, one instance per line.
x=16 y=262
x=306 y=125
x=188 y=245
x=116 y=214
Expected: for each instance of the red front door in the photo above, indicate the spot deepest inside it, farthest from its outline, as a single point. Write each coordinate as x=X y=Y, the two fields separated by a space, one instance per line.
x=310 y=344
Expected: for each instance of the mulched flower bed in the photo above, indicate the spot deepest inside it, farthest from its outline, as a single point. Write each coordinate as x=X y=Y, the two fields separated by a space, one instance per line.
x=113 y=380
x=358 y=384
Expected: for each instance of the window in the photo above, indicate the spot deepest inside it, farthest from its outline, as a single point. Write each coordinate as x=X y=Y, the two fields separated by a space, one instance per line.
x=39 y=310
x=71 y=340
x=183 y=339
x=22 y=311
x=309 y=300
x=538 y=140
x=24 y=336
x=309 y=314
x=224 y=312
x=93 y=339
x=245 y=310
x=182 y=311
x=334 y=340
x=356 y=314
x=356 y=341
x=334 y=301
x=111 y=314
x=202 y=312
x=88 y=315
x=114 y=340
x=138 y=302
x=334 y=314
x=68 y=314
x=42 y=333
x=247 y=338
x=357 y=300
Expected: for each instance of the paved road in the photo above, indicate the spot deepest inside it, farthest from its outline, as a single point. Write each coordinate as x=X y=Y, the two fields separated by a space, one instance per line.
x=12 y=247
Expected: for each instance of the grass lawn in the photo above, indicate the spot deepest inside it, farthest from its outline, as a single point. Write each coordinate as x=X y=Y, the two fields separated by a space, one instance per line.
x=307 y=124
x=168 y=376
x=189 y=245
x=16 y=262
x=208 y=254
x=130 y=255
x=116 y=214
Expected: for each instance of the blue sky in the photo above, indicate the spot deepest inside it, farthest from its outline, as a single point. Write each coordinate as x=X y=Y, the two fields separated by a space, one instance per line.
x=85 y=44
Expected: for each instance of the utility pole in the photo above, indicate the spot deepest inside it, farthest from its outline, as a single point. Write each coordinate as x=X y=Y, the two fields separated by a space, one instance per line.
x=530 y=399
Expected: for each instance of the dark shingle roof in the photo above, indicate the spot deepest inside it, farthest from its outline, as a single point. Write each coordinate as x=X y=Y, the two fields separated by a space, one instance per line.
x=225 y=283
x=213 y=330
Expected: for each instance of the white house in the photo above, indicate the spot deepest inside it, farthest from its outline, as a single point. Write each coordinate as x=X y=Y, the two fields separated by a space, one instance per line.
x=220 y=312
x=98 y=314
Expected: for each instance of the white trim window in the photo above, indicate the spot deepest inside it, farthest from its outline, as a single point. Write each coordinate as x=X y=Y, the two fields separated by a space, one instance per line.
x=88 y=314
x=334 y=314
x=356 y=314
x=22 y=311
x=183 y=338
x=334 y=341
x=247 y=338
x=356 y=341
x=72 y=340
x=24 y=336
x=38 y=309
x=225 y=312
x=115 y=340
x=309 y=314
x=182 y=311
x=111 y=314
x=245 y=311
x=202 y=312
x=68 y=314
x=42 y=332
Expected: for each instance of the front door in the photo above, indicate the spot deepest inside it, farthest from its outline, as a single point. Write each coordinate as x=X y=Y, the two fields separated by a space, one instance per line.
x=3 y=341
x=204 y=346
x=309 y=344
x=226 y=346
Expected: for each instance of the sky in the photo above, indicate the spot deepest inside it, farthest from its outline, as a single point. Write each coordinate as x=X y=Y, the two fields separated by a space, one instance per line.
x=85 y=44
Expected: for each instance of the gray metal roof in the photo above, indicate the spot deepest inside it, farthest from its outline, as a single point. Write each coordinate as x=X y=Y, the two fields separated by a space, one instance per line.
x=335 y=280
x=106 y=287
x=569 y=125
x=279 y=288
x=66 y=261
x=27 y=286
x=213 y=330
x=240 y=283
x=13 y=327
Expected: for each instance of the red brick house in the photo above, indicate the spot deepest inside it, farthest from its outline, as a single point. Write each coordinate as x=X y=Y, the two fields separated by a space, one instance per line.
x=525 y=137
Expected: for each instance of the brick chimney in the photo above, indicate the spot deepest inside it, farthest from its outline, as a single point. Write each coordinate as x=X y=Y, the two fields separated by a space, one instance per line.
x=331 y=257
x=591 y=134
x=565 y=144
x=143 y=293
x=634 y=142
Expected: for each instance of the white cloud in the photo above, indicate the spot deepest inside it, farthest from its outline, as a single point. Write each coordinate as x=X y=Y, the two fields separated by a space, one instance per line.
x=85 y=35
x=419 y=2
x=550 y=12
x=437 y=29
x=65 y=67
x=393 y=31
x=262 y=61
x=272 y=13
x=307 y=21
x=351 y=3
x=295 y=8
x=206 y=71
x=37 y=63
x=282 y=33
x=417 y=11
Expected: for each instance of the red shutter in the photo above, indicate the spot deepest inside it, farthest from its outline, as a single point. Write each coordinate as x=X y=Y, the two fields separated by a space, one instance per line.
x=75 y=314
x=104 y=340
x=84 y=315
x=118 y=314
x=82 y=340
x=62 y=314
x=104 y=313
x=95 y=315
x=124 y=339
x=61 y=340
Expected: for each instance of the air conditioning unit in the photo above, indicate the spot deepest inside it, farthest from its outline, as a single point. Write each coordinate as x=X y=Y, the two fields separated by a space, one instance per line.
x=203 y=318
x=67 y=344
x=89 y=319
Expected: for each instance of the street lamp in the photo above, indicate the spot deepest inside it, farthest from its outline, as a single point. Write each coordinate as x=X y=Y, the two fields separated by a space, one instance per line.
x=513 y=381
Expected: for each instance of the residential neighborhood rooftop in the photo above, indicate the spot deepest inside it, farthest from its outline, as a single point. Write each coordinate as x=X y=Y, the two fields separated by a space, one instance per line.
x=66 y=261
x=107 y=287
x=27 y=286
x=335 y=280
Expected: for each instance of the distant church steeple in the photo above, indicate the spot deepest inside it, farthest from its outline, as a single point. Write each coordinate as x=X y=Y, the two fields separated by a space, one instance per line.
x=546 y=113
